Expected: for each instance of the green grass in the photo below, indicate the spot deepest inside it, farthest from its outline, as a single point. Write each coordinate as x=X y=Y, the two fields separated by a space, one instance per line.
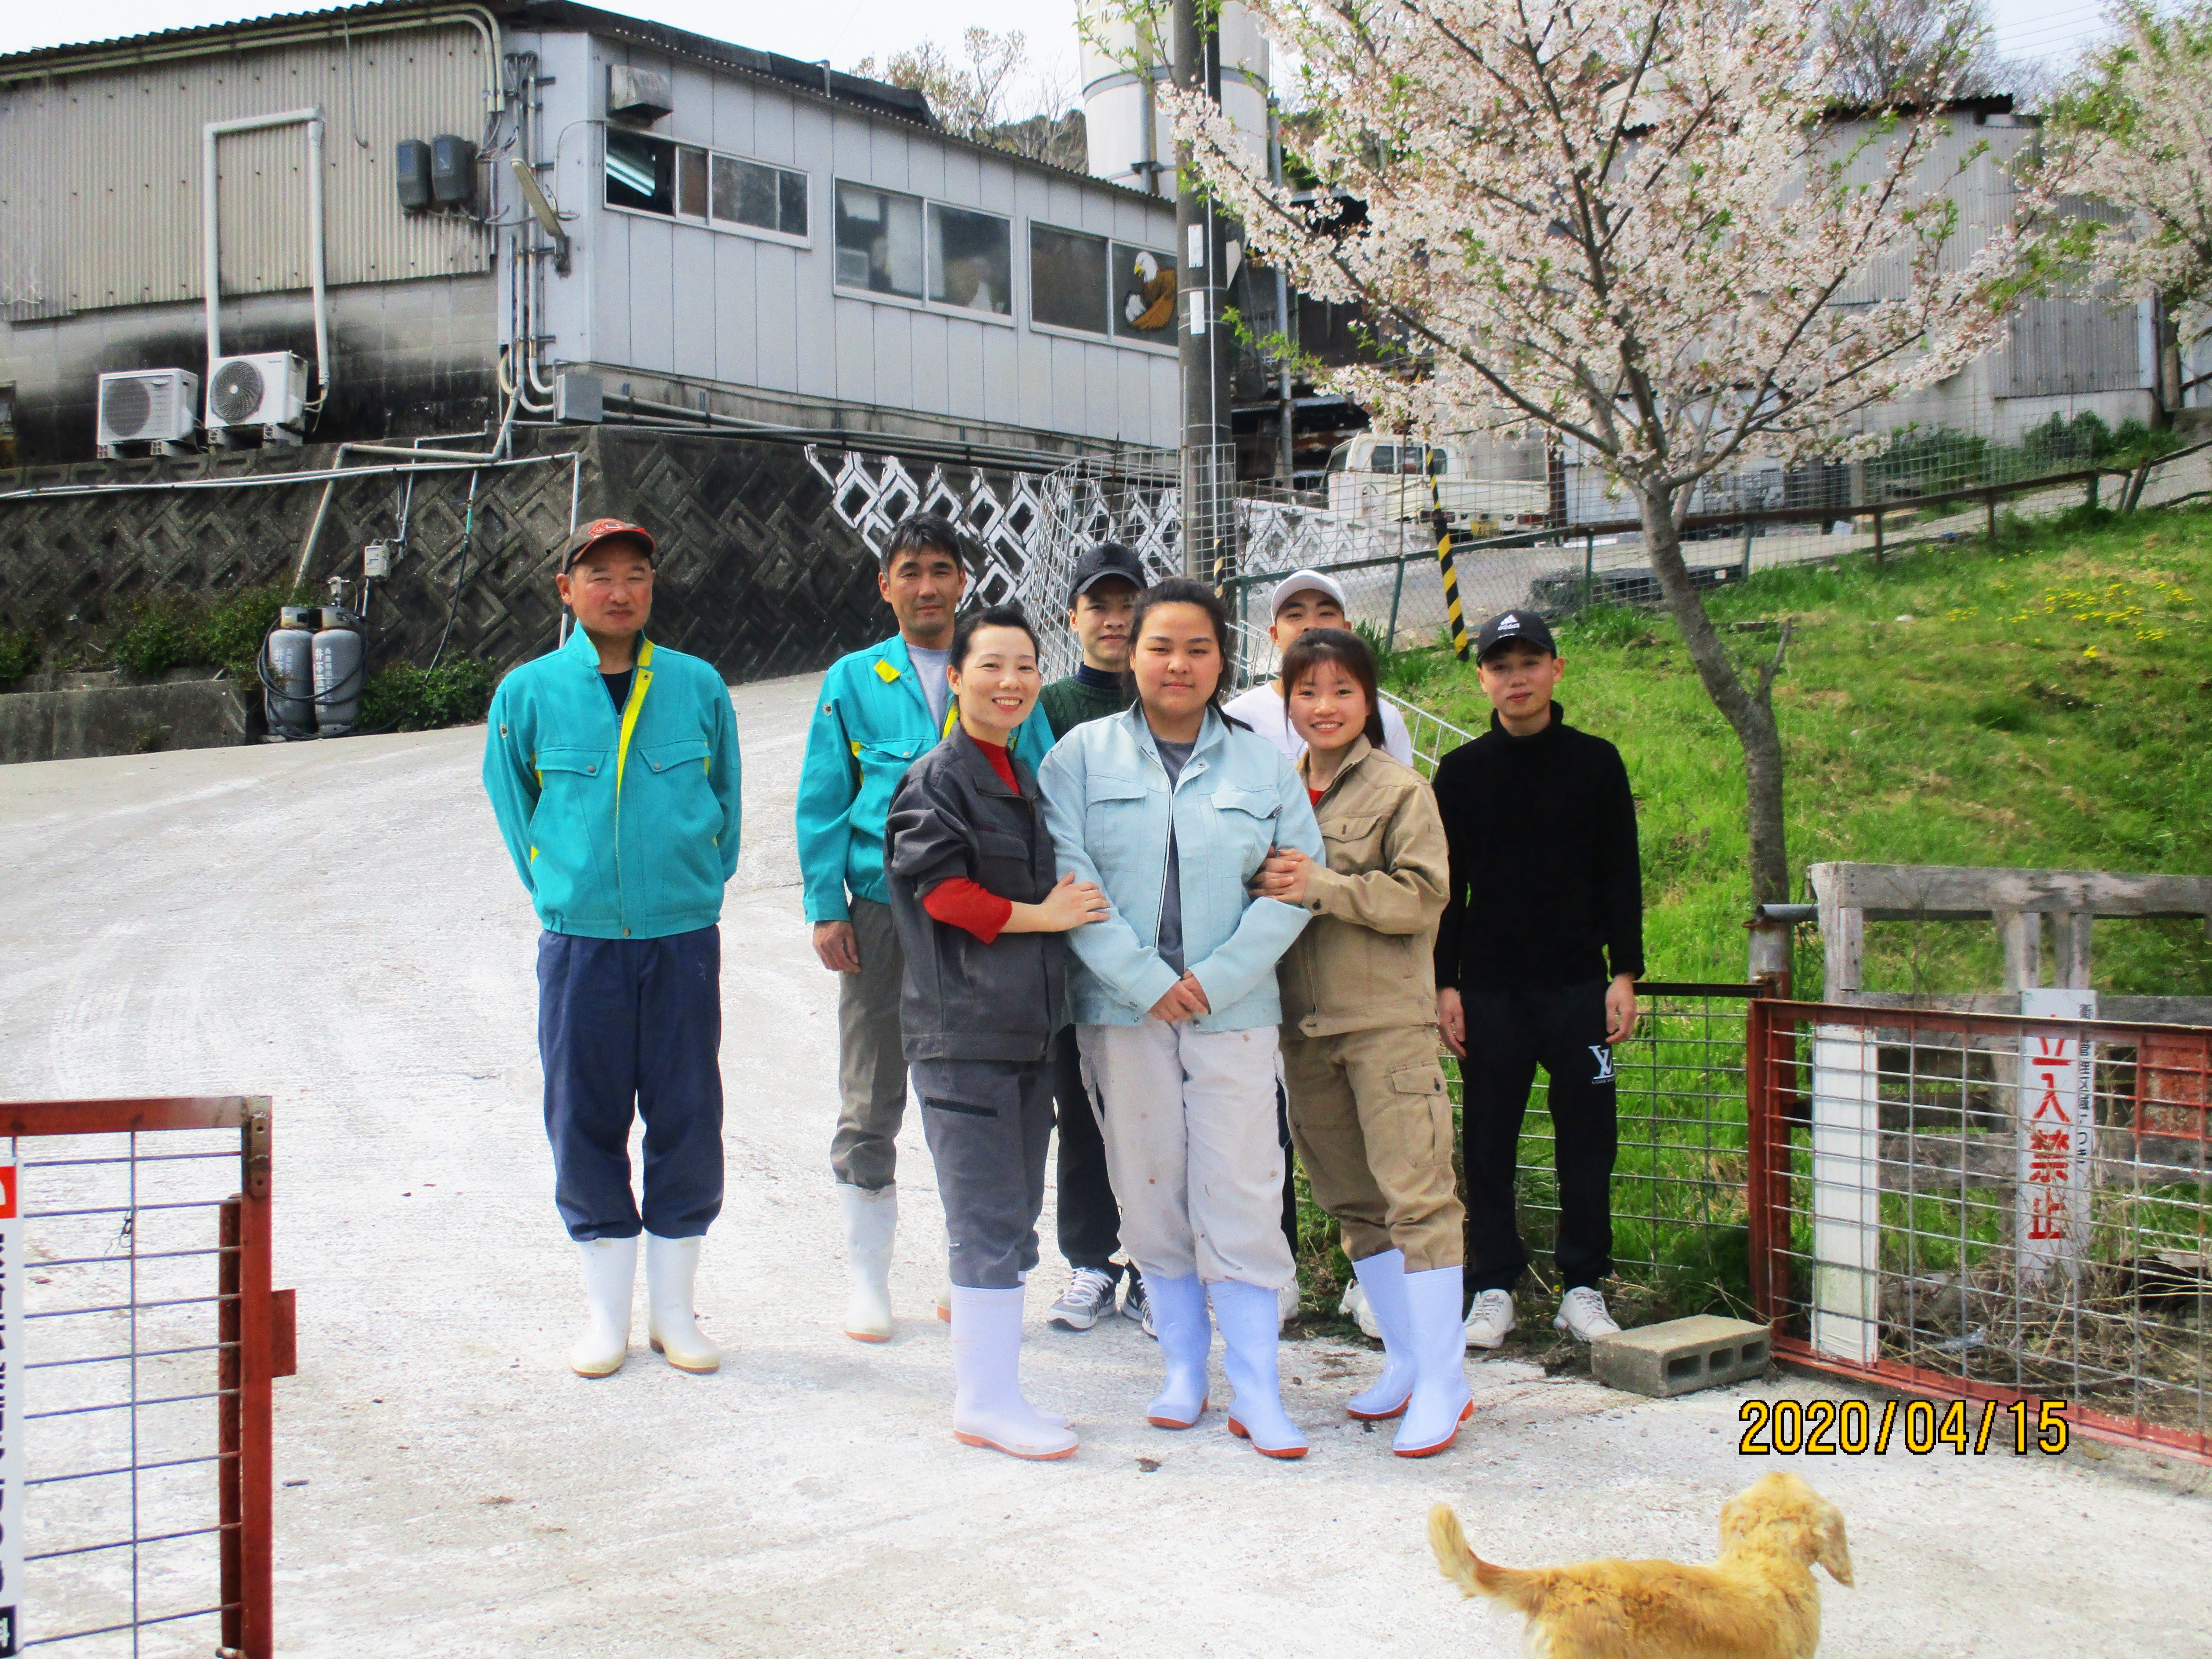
x=2038 y=709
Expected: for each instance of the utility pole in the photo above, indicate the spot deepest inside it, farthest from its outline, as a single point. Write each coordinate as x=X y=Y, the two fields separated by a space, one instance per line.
x=1209 y=453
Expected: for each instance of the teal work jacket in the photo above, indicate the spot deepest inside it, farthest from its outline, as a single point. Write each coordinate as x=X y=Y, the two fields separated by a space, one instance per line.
x=871 y=722
x=620 y=826
x=1109 y=805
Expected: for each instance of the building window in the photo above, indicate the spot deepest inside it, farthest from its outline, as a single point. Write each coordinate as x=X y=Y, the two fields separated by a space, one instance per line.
x=1068 y=279
x=1143 y=294
x=1086 y=282
x=879 y=241
x=970 y=259
x=765 y=197
x=641 y=172
x=646 y=174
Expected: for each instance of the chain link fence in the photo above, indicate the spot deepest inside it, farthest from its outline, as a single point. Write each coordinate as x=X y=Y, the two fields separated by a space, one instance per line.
x=1941 y=490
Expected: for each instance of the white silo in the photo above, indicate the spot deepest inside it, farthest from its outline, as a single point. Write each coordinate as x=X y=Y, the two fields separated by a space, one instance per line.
x=1131 y=140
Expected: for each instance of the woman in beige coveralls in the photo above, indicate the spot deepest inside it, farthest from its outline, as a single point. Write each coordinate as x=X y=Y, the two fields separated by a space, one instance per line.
x=1369 y=1111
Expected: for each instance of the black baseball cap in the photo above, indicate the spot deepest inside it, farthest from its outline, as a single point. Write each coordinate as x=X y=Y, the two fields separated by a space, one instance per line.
x=1106 y=559
x=1511 y=627
x=585 y=536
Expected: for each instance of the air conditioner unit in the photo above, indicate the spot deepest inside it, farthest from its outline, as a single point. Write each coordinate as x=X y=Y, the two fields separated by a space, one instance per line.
x=268 y=390
x=156 y=406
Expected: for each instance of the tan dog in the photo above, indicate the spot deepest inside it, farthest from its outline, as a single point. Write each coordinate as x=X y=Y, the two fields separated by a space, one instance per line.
x=1759 y=1600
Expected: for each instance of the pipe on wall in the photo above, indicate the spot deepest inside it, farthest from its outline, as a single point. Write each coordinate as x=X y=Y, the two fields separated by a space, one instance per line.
x=244 y=37
x=211 y=231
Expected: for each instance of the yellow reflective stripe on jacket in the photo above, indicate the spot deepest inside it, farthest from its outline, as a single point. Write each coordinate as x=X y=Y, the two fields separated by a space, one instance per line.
x=637 y=691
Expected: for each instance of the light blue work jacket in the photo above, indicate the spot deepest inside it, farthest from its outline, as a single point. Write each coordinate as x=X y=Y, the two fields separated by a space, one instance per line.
x=871 y=722
x=1109 y=805
x=622 y=824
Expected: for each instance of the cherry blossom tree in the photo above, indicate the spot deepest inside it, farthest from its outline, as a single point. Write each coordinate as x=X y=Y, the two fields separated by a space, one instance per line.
x=1627 y=225
x=2136 y=126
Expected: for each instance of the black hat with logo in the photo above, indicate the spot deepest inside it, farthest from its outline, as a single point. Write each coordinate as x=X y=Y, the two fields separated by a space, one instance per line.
x=1514 y=627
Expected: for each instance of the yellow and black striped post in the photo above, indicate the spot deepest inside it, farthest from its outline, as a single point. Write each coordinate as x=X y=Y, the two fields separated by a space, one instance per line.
x=1451 y=577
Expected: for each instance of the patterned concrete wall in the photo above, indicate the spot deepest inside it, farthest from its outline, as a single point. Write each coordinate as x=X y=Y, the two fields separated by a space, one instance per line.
x=768 y=549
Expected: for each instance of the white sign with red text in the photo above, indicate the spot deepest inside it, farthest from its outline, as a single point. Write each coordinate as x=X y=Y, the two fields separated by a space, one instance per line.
x=2057 y=1138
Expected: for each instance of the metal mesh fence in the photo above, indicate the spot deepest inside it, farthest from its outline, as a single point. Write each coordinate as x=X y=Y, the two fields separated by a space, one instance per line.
x=1386 y=559
x=147 y=1345
x=1990 y=1206
x=1679 y=1217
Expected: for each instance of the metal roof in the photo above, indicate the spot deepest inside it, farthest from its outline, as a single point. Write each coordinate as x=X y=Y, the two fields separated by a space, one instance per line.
x=817 y=78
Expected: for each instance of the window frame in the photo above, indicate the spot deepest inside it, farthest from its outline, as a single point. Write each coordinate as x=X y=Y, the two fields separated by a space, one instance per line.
x=1017 y=284
x=723 y=226
x=1112 y=336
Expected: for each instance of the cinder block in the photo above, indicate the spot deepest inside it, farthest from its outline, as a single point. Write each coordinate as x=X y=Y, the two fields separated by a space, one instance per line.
x=1681 y=1356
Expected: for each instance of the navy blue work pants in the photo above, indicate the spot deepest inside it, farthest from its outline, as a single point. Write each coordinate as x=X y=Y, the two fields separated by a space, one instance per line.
x=625 y=1023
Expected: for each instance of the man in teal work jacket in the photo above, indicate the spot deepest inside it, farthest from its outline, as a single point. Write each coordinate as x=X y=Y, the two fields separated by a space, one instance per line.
x=612 y=768
x=879 y=711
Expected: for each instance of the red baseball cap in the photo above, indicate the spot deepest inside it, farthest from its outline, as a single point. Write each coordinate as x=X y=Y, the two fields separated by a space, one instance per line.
x=585 y=538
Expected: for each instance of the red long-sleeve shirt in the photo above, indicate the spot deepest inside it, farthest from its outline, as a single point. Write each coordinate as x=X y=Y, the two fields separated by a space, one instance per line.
x=958 y=901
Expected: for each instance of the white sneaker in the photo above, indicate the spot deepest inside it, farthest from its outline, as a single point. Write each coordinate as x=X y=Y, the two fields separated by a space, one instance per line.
x=1583 y=1316
x=1489 y=1320
x=1286 y=1304
x=1354 y=1307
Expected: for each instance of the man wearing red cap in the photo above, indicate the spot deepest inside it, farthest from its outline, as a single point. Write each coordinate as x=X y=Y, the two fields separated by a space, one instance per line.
x=612 y=768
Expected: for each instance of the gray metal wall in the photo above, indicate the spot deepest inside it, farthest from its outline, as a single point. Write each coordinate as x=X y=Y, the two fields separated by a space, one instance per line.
x=100 y=186
x=686 y=301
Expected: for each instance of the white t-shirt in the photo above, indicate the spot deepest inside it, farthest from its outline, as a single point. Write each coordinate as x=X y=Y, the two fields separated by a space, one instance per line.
x=1263 y=709
x=929 y=668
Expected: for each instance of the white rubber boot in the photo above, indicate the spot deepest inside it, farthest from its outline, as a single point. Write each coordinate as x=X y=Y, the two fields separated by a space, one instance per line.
x=1383 y=1278
x=988 y=1407
x=610 y=1272
x=1250 y=1334
x=671 y=1268
x=1441 y=1399
x=871 y=1222
x=1186 y=1339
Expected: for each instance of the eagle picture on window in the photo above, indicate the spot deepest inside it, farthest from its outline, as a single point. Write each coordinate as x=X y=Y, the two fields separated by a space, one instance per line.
x=1150 y=305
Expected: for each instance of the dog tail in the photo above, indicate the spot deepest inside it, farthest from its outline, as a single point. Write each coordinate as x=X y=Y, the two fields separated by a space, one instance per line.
x=1474 y=1575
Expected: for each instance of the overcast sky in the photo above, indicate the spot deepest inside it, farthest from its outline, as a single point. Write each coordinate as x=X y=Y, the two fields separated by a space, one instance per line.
x=846 y=31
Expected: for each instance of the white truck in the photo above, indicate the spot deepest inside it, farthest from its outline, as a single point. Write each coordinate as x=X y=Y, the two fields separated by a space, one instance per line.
x=1380 y=478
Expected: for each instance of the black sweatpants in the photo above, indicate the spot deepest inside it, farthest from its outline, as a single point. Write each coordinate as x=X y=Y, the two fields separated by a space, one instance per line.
x=989 y=1123
x=1509 y=1035
x=1090 y=1216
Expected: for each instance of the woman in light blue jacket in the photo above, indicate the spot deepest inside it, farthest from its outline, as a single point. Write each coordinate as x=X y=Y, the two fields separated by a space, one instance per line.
x=1171 y=810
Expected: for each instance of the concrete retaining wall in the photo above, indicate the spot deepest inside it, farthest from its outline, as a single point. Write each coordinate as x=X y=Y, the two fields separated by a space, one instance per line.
x=122 y=720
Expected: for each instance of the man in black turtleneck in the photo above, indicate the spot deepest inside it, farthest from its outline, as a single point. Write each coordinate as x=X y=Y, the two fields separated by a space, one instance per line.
x=1538 y=955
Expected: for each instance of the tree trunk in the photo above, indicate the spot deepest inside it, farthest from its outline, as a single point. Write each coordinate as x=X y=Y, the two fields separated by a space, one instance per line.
x=1748 y=711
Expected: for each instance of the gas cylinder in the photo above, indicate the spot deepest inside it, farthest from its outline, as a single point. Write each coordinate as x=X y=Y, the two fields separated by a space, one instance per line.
x=338 y=655
x=287 y=674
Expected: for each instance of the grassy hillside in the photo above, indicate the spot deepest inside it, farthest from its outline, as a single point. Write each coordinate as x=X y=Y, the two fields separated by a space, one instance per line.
x=2041 y=703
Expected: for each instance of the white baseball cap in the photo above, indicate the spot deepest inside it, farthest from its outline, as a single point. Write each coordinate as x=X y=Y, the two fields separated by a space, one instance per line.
x=1304 y=581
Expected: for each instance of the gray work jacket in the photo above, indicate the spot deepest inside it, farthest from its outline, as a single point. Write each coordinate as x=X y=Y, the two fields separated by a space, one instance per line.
x=963 y=1000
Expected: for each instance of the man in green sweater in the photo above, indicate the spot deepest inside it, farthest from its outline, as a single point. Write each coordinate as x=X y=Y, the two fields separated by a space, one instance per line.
x=1100 y=603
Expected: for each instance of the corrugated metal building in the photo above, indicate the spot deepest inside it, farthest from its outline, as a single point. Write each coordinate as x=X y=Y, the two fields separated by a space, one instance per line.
x=743 y=233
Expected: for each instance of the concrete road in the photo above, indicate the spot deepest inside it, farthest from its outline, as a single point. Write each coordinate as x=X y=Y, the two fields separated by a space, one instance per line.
x=337 y=926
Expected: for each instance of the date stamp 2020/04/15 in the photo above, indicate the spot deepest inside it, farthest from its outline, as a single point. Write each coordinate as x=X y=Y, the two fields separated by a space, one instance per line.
x=1853 y=1428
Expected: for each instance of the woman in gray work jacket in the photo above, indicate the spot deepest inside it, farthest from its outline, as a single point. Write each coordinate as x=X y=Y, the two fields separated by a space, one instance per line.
x=969 y=867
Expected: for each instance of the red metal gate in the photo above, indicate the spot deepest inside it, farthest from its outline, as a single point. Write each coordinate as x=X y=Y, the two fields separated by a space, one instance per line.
x=153 y=1336
x=1995 y=1208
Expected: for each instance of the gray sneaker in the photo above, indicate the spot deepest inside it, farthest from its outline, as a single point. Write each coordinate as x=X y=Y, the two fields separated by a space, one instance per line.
x=1087 y=1299
x=1135 y=1305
